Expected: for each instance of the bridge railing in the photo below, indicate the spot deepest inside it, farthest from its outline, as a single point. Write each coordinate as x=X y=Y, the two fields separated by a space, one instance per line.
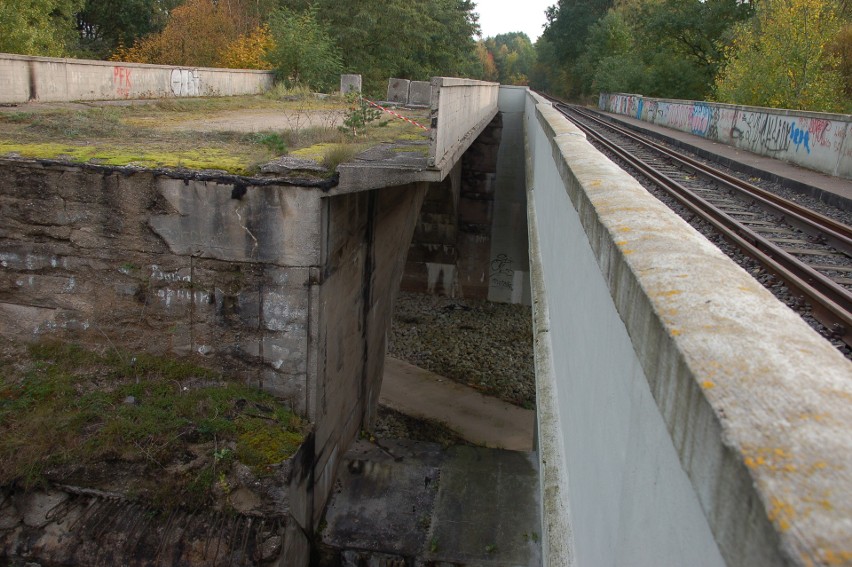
x=460 y=110
x=686 y=416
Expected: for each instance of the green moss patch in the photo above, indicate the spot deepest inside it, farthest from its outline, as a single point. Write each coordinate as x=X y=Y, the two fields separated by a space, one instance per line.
x=183 y=133
x=65 y=409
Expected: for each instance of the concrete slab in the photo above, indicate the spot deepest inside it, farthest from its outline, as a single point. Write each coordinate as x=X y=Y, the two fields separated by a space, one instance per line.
x=478 y=418
x=398 y=90
x=414 y=503
x=350 y=83
x=486 y=511
x=420 y=93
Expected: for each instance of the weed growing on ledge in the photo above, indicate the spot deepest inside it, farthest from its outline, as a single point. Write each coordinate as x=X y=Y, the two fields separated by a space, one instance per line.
x=65 y=409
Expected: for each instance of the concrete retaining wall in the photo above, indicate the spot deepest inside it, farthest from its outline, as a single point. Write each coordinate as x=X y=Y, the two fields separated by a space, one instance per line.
x=471 y=237
x=466 y=107
x=816 y=140
x=282 y=285
x=47 y=79
x=686 y=417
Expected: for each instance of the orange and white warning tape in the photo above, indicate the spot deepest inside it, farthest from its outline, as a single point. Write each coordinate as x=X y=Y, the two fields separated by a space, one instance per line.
x=409 y=120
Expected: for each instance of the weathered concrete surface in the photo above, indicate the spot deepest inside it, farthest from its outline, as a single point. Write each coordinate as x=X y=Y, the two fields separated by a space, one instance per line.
x=349 y=83
x=478 y=418
x=414 y=502
x=27 y=78
x=419 y=93
x=508 y=269
x=816 y=140
x=73 y=526
x=683 y=432
x=471 y=238
x=461 y=109
x=398 y=90
x=450 y=251
x=286 y=286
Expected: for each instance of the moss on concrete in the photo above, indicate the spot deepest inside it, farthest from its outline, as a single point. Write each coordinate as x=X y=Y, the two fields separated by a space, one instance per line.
x=230 y=134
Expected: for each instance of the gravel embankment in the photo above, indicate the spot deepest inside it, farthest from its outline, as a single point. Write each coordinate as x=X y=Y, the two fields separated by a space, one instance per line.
x=487 y=346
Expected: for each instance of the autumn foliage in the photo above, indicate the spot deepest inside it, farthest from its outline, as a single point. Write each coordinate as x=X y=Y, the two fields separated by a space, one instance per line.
x=205 y=33
x=249 y=51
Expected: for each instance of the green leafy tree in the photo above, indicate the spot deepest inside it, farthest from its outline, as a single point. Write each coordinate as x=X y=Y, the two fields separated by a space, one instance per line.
x=38 y=27
x=567 y=29
x=782 y=58
x=514 y=57
x=683 y=43
x=105 y=25
x=303 y=51
x=413 y=39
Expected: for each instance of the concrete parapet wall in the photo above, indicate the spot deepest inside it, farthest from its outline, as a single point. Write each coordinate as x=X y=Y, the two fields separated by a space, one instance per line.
x=816 y=140
x=686 y=417
x=461 y=109
x=47 y=79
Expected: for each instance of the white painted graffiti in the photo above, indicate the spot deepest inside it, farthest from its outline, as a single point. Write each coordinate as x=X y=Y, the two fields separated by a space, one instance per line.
x=186 y=82
x=158 y=274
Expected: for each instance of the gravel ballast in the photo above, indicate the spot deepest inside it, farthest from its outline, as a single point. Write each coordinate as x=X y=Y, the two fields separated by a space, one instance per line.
x=487 y=346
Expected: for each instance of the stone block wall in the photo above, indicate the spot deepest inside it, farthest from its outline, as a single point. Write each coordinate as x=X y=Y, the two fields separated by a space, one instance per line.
x=286 y=286
x=470 y=239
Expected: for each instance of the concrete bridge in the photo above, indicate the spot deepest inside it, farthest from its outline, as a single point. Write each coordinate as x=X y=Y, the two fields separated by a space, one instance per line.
x=670 y=432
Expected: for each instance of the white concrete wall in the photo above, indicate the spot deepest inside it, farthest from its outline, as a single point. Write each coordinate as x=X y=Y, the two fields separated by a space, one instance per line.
x=466 y=107
x=686 y=417
x=816 y=140
x=47 y=79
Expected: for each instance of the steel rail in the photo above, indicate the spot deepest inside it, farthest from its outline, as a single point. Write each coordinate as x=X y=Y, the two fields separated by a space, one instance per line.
x=836 y=233
x=830 y=302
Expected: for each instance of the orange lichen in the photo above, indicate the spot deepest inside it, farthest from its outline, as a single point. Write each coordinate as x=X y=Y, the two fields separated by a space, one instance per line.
x=781 y=513
x=669 y=293
x=708 y=385
x=832 y=557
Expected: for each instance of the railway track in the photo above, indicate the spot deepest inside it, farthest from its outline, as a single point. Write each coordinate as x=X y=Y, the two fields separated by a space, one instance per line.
x=809 y=252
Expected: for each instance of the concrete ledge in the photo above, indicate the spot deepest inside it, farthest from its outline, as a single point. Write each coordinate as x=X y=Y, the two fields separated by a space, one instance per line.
x=461 y=108
x=49 y=79
x=754 y=405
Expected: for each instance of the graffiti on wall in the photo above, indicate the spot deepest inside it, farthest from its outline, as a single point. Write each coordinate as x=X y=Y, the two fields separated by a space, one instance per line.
x=186 y=82
x=501 y=268
x=805 y=139
x=700 y=116
x=121 y=81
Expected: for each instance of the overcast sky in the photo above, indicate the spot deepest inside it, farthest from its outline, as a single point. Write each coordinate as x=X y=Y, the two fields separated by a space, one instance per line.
x=503 y=16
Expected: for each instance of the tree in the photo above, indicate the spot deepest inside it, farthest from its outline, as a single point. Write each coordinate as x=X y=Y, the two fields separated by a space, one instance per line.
x=37 y=27
x=514 y=56
x=250 y=50
x=196 y=35
x=486 y=59
x=303 y=51
x=104 y=25
x=782 y=58
x=412 y=39
x=683 y=41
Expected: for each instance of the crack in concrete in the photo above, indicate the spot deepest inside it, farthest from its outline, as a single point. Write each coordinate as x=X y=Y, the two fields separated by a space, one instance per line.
x=245 y=227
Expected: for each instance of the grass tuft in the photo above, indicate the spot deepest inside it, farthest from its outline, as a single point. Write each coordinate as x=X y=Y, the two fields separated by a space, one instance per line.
x=66 y=407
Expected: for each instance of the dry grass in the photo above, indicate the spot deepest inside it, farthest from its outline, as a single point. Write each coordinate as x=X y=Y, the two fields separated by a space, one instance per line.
x=230 y=134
